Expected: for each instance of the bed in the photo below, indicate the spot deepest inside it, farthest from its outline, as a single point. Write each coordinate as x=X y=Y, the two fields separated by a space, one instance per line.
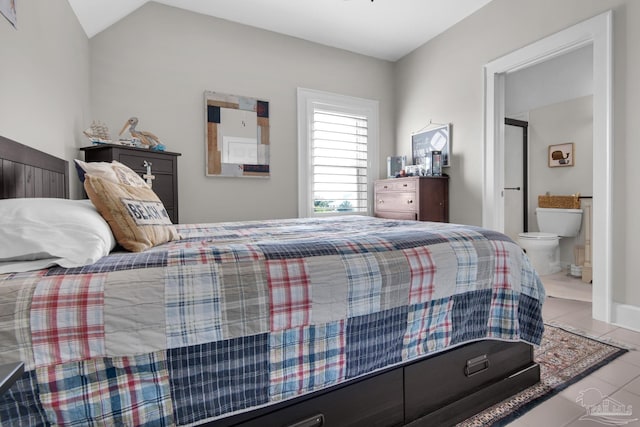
x=301 y=322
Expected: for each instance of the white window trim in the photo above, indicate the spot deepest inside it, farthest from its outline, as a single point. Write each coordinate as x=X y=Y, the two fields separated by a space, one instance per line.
x=307 y=100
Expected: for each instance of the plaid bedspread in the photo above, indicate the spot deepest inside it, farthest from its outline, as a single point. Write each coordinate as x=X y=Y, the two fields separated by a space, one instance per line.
x=239 y=315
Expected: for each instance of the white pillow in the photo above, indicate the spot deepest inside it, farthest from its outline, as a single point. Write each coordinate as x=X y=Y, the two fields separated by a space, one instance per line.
x=37 y=233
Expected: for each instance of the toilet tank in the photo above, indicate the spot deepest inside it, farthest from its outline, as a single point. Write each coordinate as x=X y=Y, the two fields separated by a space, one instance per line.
x=563 y=222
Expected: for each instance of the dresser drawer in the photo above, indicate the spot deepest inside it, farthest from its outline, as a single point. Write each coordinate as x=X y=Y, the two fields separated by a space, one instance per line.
x=398 y=184
x=411 y=216
x=162 y=185
x=136 y=162
x=396 y=202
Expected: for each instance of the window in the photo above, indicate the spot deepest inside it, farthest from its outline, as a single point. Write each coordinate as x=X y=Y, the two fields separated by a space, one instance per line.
x=337 y=149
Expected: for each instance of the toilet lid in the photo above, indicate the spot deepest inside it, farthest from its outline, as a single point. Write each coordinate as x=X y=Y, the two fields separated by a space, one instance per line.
x=536 y=235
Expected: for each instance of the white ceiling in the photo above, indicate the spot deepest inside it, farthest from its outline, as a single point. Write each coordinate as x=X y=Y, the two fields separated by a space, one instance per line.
x=386 y=29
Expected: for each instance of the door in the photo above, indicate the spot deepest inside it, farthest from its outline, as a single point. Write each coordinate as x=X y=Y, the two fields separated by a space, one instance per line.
x=515 y=178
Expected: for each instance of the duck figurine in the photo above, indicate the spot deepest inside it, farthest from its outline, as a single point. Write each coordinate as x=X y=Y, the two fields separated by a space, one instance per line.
x=146 y=138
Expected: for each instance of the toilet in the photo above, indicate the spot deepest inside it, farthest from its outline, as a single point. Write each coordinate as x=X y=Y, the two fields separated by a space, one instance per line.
x=543 y=247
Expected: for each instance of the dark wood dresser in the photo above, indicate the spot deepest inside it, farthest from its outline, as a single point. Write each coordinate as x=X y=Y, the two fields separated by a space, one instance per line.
x=421 y=198
x=164 y=166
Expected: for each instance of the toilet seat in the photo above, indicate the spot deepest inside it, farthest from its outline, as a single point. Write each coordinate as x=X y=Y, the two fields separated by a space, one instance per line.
x=536 y=235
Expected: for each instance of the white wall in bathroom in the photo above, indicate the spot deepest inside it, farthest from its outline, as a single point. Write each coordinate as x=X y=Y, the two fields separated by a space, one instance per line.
x=565 y=77
x=569 y=121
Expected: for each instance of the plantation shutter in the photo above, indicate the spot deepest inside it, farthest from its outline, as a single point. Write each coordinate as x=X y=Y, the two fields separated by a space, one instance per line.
x=339 y=162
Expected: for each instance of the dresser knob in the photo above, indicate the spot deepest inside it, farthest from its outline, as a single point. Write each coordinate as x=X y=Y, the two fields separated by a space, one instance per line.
x=380 y=201
x=409 y=201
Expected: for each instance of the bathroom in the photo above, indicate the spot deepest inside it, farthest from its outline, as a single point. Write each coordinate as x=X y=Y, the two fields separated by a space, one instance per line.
x=554 y=100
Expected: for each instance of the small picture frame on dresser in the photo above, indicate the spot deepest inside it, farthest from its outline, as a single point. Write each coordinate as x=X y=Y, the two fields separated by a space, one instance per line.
x=395 y=164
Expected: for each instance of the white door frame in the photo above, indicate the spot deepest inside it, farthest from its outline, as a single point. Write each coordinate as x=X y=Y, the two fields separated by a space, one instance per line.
x=597 y=32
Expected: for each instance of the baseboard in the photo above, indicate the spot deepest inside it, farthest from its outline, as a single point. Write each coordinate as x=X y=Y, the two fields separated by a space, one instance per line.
x=627 y=316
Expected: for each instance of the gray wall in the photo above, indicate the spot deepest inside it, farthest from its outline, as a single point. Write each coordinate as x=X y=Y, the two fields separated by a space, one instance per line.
x=157 y=63
x=44 y=79
x=443 y=81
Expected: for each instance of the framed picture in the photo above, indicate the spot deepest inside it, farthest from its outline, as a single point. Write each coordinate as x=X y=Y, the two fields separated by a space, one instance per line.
x=395 y=164
x=434 y=139
x=236 y=136
x=561 y=155
x=8 y=9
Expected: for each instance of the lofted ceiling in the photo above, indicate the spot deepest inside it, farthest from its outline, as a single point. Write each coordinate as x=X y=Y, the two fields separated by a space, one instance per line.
x=385 y=29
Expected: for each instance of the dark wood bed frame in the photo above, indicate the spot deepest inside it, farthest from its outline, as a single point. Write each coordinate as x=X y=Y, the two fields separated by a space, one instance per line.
x=442 y=389
x=27 y=172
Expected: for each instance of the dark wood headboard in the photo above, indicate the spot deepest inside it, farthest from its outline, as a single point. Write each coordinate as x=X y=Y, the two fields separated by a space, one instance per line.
x=27 y=172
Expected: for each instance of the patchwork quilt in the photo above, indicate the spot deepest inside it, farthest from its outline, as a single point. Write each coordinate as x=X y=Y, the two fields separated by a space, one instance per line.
x=239 y=315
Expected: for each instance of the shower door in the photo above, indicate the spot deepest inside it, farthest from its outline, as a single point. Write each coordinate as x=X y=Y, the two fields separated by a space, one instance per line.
x=515 y=178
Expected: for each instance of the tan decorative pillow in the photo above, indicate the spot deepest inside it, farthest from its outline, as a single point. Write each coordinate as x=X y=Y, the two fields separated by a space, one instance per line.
x=114 y=172
x=136 y=215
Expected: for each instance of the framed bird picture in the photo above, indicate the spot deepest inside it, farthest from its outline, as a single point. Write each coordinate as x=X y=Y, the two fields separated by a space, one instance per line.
x=561 y=155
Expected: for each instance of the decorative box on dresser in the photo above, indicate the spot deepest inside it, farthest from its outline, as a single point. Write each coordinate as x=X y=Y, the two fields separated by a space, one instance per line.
x=421 y=198
x=164 y=168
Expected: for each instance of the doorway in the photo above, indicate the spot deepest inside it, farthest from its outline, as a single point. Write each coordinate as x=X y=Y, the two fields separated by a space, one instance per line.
x=597 y=32
x=516 y=172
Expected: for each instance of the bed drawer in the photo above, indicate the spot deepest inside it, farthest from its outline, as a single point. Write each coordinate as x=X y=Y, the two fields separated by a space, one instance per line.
x=451 y=376
x=375 y=401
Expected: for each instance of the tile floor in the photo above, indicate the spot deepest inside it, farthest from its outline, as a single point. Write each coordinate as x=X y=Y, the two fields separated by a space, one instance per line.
x=563 y=285
x=619 y=380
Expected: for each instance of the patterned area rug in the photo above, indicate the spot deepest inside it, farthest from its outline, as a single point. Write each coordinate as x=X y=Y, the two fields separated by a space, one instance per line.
x=565 y=358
